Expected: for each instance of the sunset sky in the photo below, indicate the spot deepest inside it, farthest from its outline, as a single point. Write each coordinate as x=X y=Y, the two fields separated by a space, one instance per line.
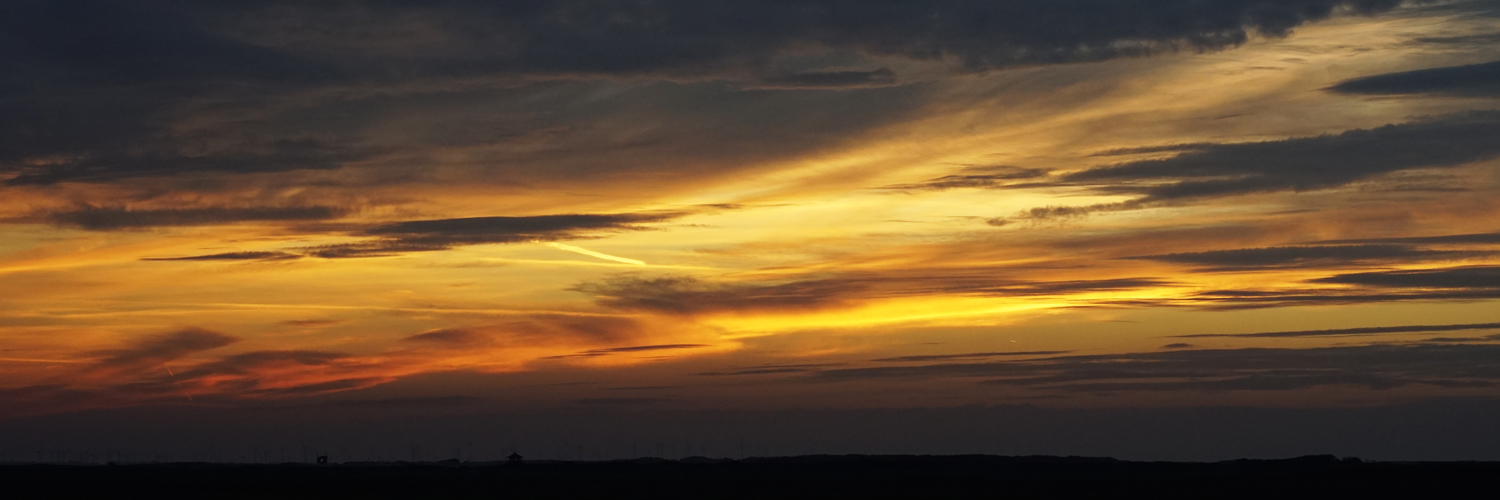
x=703 y=207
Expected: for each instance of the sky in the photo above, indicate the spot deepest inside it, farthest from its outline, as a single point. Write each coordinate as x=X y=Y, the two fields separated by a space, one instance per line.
x=1148 y=229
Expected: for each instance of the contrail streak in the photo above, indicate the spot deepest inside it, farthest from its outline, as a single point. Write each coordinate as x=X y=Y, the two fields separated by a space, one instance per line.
x=591 y=253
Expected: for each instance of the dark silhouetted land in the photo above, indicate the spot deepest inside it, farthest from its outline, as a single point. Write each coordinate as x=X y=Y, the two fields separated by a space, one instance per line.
x=822 y=477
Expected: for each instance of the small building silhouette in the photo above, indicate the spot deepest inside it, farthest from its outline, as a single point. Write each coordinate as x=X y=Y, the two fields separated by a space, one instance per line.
x=322 y=459
x=515 y=458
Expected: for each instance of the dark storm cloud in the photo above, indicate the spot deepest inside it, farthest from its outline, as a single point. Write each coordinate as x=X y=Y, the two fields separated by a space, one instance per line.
x=1371 y=366
x=1468 y=80
x=112 y=218
x=1302 y=164
x=163 y=348
x=684 y=295
x=1355 y=331
x=1303 y=256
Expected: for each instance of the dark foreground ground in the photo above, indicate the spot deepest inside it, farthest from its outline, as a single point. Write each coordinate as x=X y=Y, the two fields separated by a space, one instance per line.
x=822 y=477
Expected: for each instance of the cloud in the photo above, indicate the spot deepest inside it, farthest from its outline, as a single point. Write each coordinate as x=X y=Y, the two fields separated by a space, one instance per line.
x=545 y=330
x=258 y=363
x=231 y=256
x=1452 y=239
x=771 y=369
x=1482 y=80
x=159 y=349
x=975 y=355
x=95 y=164
x=694 y=37
x=1303 y=256
x=987 y=177
x=593 y=353
x=1354 y=331
x=685 y=295
x=442 y=234
x=1216 y=370
x=432 y=235
x=1301 y=164
x=1469 y=277
x=1449 y=283
x=882 y=77
x=100 y=91
x=116 y=218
